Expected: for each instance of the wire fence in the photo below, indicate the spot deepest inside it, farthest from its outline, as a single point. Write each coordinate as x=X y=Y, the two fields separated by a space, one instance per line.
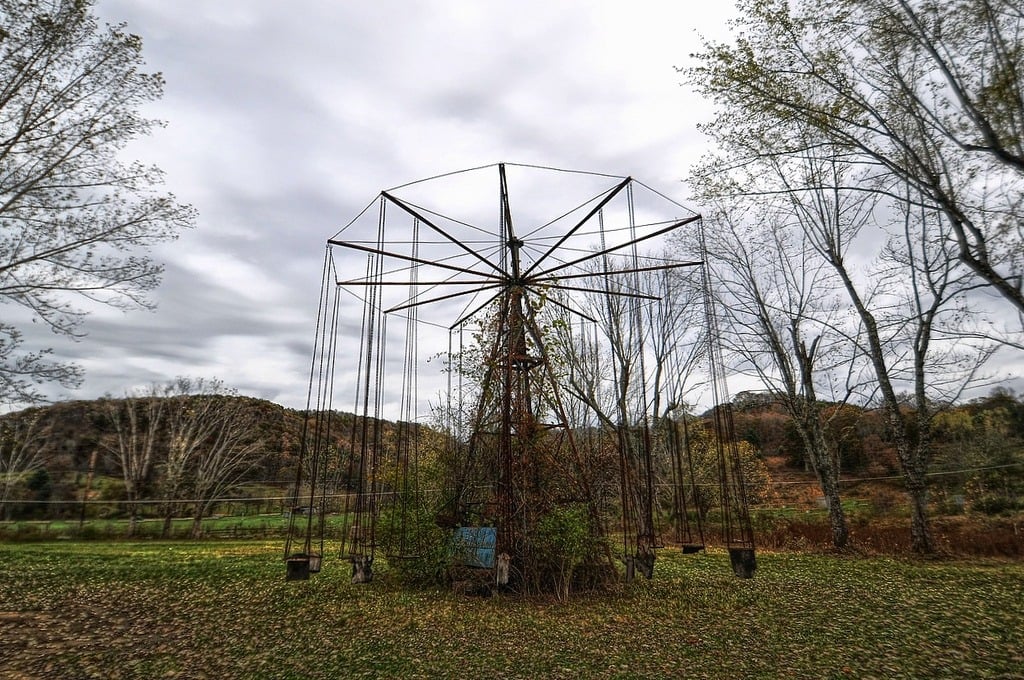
x=249 y=515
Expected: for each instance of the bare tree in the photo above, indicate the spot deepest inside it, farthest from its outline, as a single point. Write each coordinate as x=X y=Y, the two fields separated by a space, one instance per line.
x=21 y=441
x=190 y=424
x=75 y=219
x=917 y=108
x=630 y=367
x=199 y=437
x=928 y=95
x=916 y=328
x=637 y=361
x=912 y=308
x=779 y=322
x=137 y=421
x=227 y=450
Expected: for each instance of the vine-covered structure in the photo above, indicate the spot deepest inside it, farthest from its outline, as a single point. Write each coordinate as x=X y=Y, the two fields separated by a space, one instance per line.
x=525 y=329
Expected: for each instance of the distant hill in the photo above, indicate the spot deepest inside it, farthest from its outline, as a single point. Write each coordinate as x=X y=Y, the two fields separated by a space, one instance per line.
x=66 y=435
x=64 y=444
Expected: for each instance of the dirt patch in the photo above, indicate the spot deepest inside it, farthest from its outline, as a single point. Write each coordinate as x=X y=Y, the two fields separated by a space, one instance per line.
x=38 y=640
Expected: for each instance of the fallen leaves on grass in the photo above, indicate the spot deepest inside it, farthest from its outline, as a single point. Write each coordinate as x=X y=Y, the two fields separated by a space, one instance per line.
x=134 y=610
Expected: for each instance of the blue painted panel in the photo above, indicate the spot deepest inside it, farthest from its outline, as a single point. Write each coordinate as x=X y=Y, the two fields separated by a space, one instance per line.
x=475 y=546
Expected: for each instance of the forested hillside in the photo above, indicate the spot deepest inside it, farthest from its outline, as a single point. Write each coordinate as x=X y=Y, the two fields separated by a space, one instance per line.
x=978 y=446
x=66 y=436
x=152 y=455
x=55 y=456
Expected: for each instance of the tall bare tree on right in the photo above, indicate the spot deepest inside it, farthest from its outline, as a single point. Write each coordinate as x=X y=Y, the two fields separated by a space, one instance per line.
x=929 y=95
x=782 y=325
x=916 y=107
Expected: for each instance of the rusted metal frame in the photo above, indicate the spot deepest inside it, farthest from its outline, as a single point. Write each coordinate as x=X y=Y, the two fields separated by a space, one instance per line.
x=506 y=481
x=358 y=543
x=595 y=515
x=410 y=258
x=355 y=282
x=678 y=501
x=637 y=270
x=590 y=256
x=422 y=218
x=640 y=296
x=693 y=480
x=513 y=243
x=318 y=340
x=646 y=458
x=439 y=298
x=569 y=234
x=485 y=391
x=516 y=411
x=466 y=317
x=571 y=310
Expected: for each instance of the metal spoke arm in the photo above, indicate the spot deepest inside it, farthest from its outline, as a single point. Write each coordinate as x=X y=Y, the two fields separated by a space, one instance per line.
x=611 y=194
x=418 y=303
x=410 y=258
x=591 y=256
x=425 y=220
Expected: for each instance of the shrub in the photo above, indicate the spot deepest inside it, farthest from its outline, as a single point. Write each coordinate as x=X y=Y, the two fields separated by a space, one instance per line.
x=562 y=540
x=994 y=504
x=420 y=551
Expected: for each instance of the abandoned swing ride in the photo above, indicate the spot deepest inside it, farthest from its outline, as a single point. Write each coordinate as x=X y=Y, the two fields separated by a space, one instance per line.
x=518 y=352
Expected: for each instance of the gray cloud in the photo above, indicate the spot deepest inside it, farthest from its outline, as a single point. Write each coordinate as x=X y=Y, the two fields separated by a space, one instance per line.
x=285 y=119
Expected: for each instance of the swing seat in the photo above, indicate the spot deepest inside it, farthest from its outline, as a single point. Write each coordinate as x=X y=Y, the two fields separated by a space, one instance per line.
x=362 y=569
x=297 y=567
x=744 y=562
x=692 y=548
x=314 y=563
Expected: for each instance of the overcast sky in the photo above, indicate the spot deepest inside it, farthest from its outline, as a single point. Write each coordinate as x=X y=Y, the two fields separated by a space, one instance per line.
x=285 y=119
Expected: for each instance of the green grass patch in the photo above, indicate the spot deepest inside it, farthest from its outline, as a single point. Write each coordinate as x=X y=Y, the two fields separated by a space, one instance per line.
x=223 y=609
x=234 y=526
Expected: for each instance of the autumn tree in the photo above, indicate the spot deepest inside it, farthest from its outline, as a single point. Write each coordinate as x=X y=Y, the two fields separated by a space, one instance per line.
x=980 y=450
x=917 y=327
x=928 y=95
x=839 y=100
x=77 y=220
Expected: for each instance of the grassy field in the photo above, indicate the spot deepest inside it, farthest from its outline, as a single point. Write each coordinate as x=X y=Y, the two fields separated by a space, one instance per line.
x=223 y=610
x=236 y=526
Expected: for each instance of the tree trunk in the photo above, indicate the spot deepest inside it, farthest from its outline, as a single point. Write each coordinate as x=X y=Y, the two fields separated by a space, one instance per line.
x=165 y=532
x=197 y=523
x=825 y=464
x=910 y=452
x=836 y=515
x=133 y=512
x=920 y=533
x=828 y=480
x=921 y=540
